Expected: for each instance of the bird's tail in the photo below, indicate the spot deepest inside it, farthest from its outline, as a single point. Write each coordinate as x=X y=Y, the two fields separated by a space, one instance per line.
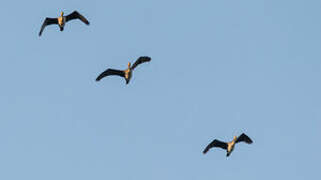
x=61 y=28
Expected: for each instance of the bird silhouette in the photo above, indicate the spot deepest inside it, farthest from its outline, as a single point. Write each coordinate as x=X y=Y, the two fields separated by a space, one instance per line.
x=61 y=20
x=228 y=146
x=127 y=73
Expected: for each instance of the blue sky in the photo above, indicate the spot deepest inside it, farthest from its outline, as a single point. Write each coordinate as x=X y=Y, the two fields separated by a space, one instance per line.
x=219 y=68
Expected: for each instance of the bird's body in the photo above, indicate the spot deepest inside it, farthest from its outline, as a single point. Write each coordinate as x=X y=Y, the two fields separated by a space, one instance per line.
x=127 y=73
x=228 y=146
x=61 y=20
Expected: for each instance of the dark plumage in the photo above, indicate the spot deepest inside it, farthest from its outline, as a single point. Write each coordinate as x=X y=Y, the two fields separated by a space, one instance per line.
x=215 y=143
x=76 y=15
x=127 y=73
x=110 y=72
x=48 y=21
x=61 y=20
x=139 y=61
x=228 y=146
x=243 y=137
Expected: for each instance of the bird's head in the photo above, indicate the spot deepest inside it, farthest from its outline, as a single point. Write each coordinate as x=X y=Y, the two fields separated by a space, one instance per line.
x=61 y=13
x=129 y=65
x=234 y=138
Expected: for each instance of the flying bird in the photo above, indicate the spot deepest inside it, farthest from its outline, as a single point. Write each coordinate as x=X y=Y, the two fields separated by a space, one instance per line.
x=127 y=73
x=229 y=146
x=61 y=20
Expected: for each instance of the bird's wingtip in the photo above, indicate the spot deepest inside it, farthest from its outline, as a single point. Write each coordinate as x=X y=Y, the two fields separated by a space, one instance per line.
x=205 y=151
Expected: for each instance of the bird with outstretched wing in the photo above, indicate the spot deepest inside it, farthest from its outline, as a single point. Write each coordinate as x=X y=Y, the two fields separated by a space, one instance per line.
x=215 y=143
x=127 y=73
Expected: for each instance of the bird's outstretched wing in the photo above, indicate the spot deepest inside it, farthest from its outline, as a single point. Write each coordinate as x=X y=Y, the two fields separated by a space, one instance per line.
x=48 y=21
x=140 y=60
x=76 y=15
x=110 y=72
x=215 y=143
x=243 y=137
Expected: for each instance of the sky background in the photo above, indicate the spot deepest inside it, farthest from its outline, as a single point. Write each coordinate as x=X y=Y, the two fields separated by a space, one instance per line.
x=218 y=69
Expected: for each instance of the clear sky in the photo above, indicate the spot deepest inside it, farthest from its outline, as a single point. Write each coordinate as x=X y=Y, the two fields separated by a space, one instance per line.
x=219 y=68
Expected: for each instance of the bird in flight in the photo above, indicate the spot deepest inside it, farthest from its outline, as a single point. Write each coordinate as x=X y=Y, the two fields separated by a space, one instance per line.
x=127 y=73
x=61 y=20
x=228 y=146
